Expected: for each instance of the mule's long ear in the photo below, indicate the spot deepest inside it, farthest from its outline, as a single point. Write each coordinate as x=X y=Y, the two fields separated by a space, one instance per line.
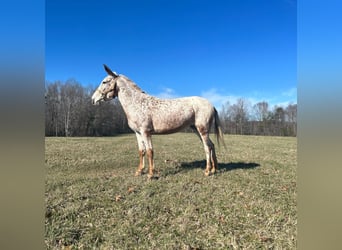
x=109 y=71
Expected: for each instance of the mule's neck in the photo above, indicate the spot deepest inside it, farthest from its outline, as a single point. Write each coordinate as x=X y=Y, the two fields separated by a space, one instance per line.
x=126 y=87
x=130 y=95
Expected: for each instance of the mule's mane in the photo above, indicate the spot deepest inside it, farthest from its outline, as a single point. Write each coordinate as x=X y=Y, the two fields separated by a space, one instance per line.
x=132 y=84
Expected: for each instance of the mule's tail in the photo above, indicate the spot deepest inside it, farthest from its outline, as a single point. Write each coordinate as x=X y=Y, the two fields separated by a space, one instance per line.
x=218 y=129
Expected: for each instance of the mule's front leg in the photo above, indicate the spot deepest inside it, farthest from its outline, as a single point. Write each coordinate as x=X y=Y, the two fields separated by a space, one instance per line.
x=141 y=163
x=146 y=137
x=142 y=152
x=150 y=163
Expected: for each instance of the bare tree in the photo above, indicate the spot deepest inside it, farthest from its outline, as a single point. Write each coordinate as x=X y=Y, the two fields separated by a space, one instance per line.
x=291 y=113
x=261 y=116
x=261 y=111
x=52 y=108
x=225 y=117
x=239 y=113
x=70 y=98
x=291 y=117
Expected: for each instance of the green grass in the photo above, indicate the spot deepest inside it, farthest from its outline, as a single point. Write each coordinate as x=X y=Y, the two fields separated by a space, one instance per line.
x=93 y=199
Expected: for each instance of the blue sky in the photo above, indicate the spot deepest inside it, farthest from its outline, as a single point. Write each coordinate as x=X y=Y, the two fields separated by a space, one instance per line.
x=221 y=50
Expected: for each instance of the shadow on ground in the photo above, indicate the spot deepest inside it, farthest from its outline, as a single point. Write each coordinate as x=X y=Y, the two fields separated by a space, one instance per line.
x=222 y=167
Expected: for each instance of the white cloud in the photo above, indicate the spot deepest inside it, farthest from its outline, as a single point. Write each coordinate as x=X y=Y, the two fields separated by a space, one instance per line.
x=292 y=92
x=282 y=99
x=219 y=98
x=167 y=93
x=216 y=98
x=283 y=104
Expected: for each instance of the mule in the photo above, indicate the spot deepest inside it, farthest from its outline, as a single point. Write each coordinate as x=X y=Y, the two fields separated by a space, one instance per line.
x=148 y=115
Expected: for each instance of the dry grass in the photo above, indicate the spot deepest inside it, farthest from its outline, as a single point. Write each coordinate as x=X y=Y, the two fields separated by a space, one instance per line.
x=93 y=199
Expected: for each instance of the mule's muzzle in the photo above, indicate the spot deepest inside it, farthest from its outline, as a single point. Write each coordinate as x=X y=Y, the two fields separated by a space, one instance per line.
x=95 y=102
x=97 y=98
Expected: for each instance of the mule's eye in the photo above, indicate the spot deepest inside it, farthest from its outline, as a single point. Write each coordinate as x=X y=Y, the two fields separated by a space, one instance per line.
x=105 y=81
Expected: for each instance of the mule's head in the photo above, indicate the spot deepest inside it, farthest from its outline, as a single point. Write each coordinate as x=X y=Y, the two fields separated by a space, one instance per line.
x=107 y=89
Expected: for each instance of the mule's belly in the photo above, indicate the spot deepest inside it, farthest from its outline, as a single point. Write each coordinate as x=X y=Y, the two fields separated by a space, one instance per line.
x=171 y=122
x=170 y=127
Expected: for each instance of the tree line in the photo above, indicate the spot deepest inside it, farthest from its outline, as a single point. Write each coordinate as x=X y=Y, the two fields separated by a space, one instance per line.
x=259 y=119
x=69 y=112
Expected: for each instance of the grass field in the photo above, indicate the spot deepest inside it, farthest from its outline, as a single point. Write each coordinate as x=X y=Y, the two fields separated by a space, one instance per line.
x=93 y=199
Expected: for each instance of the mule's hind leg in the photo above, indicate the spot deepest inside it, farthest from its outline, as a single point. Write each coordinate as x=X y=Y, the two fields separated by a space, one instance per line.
x=213 y=158
x=209 y=152
x=142 y=152
x=212 y=163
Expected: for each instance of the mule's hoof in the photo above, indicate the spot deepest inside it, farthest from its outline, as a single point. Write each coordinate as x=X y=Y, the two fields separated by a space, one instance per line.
x=213 y=171
x=206 y=173
x=138 y=173
x=152 y=177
